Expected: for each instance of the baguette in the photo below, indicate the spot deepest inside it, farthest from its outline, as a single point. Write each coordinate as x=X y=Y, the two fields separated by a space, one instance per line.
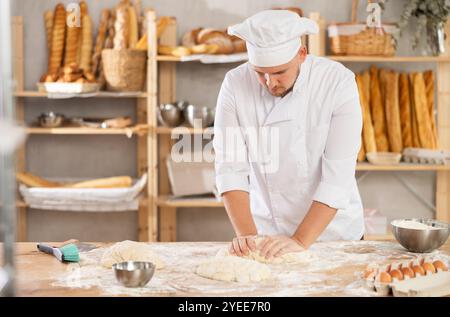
x=415 y=133
x=393 y=112
x=363 y=81
x=71 y=52
x=86 y=44
x=133 y=35
x=109 y=42
x=362 y=152
x=100 y=42
x=377 y=111
x=121 y=27
x=58 y=35
x=48 y=19
x=31 y=180
x=110 y=182
x=429 y=85
x=405 y=111
x=423 y=121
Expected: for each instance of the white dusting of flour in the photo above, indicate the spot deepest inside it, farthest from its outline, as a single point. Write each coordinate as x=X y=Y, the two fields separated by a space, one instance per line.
x=411 y=224
x=335 y=270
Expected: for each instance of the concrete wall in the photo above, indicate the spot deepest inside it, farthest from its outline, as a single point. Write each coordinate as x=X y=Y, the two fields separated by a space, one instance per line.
x=98 y=156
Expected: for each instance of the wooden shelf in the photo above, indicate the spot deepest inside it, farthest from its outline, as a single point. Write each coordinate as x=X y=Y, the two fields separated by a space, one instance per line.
x=398 y=59
x=167 y=201
x=101 y=94
x=402 y=167
x=141 y=130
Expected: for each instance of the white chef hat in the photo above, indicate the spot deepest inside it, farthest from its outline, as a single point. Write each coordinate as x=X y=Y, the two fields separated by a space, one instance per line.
x=273 y=36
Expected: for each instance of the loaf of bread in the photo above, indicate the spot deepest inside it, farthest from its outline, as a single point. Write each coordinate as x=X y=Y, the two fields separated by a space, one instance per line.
x=204 y=49
x=414 y=131
x=429 y=86
x=161 y=24
x=58 y=36
x=363 y=81
x=121 y=28
x=377 y=111
x=405 y=110
x=190 y=38
x=393 y=112
x=110 y=182
x=218 y=37
x=421 y=111
x=31 y=180
x=83 y=13
x=86 y=43
x=238 y=44
x=48 y=20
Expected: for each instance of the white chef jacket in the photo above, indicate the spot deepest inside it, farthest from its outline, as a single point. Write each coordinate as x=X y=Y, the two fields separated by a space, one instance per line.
x=318 y=125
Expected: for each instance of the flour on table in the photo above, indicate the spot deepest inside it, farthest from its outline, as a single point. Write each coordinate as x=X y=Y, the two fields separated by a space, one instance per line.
x=130 y=251
x=293 y=257
x=233 y=269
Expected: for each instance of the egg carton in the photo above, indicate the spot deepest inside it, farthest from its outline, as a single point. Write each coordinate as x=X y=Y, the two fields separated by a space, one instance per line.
x=426 y=156
x=419 y=277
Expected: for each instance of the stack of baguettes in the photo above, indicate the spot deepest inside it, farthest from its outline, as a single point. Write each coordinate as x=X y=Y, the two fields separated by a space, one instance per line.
x=398 y=111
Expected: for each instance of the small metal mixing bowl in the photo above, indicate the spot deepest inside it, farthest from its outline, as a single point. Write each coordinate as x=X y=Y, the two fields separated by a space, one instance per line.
x=419 y=240
x=170 y=115
x=133 y=273
x=51 y=120
x=203 y=113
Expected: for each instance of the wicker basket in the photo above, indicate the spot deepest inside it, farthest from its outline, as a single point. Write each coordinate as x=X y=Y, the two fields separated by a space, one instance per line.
x=125 y=70
x=359 y=39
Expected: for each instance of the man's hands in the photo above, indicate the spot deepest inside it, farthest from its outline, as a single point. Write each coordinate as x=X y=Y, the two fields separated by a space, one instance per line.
x=276 y=246
x=269 y=248
x=243 y=245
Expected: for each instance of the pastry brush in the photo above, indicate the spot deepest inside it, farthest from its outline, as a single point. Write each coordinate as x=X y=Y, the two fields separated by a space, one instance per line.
x=66 y=253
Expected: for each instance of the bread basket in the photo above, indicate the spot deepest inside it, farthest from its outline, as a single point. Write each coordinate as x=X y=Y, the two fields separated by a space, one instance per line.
x=125 y=69
x=356 y=38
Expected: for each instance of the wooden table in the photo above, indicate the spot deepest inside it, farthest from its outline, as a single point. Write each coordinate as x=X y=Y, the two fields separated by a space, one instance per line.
x=335 y=272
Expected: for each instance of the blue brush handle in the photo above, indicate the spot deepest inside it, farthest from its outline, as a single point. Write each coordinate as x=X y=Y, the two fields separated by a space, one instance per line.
x=45 y=248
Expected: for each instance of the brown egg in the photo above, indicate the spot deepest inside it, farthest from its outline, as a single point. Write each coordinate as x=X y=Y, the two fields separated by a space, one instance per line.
x=408 y=272
x=396 y=274
x=428 y=267
x=383 y=277
x=440 y=266
x=418 y=270
x=396 y=266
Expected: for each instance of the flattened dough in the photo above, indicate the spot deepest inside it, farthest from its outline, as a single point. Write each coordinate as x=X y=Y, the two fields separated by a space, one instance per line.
x=130 y=251
x=233 y=269
x=294 y=257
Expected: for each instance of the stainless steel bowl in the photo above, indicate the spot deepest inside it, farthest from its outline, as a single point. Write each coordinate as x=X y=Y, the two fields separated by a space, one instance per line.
x=170 y=115
x=202 y=115
x=421 y=241
x=134 y=274
x=51 y=120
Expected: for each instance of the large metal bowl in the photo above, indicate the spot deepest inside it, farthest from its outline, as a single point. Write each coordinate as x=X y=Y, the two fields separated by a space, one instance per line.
x=134 y=274
x=419 y=240
x=170 y=115
x=199 y=115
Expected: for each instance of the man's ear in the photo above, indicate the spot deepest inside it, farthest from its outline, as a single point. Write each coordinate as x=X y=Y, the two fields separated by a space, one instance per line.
x=302 y=52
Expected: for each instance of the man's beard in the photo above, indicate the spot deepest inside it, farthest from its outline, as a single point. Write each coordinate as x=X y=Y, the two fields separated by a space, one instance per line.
x=282 y=94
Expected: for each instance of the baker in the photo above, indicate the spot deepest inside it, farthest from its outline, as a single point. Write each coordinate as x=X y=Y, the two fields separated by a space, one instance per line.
x=287 y=135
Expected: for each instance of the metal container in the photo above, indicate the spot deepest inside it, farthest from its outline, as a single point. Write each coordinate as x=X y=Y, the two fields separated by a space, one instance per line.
x=134 y=274
x=419 y=240
x=170 y=115
x=201 y=114
x=51 y=120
